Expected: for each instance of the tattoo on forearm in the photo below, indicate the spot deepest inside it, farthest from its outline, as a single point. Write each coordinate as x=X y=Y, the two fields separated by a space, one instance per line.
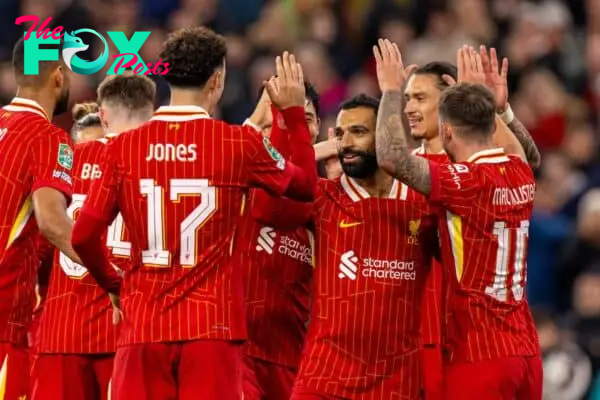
x=524 y=137
x=393 y=154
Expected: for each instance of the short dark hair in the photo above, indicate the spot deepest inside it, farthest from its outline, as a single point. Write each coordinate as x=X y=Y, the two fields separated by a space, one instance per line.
x=470 y=108
x=134 y=92
x=361 y=101
x=311 y=95
x=438 y=69
x=18 y=64
x=193 y=54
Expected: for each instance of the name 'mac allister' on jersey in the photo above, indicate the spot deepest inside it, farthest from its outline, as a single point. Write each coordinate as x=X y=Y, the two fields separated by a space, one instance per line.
x=487 y=204
x=33 y=154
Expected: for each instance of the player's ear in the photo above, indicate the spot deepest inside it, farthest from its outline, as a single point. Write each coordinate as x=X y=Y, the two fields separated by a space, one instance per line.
x=103 y=119
x=58 y=76
x=445 y=131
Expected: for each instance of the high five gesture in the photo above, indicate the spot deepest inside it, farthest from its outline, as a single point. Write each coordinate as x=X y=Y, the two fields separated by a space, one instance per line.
x=393 y=154
x=287 y=90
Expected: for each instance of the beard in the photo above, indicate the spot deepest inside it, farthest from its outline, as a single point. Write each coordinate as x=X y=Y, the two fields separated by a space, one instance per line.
x=364 y=168
x=62 y=103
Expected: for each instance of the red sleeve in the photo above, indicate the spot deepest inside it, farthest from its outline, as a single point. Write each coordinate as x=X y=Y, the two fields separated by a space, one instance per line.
x=52 y=161
x=454 y=186
x=88 y=243
x=268 y=169
x=101 y=201
x=279 y=212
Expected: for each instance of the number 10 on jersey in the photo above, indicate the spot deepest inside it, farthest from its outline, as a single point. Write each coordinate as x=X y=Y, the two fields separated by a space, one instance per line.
x=499 y=288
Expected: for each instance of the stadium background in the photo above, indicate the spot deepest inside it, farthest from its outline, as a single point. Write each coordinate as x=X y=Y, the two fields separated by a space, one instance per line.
x=554 y=52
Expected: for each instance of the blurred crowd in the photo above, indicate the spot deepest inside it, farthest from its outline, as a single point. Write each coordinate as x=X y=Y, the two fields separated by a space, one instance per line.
x=554 y=52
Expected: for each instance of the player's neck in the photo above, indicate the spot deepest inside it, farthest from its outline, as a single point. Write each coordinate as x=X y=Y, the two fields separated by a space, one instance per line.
x=123 y=125
x=185 y=97
x=432 y=146
x=40 y=97
x=467 y=151
x=377 y=185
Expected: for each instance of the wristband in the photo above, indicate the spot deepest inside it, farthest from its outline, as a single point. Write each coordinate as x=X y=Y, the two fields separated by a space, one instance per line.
x=252 y=125
x=508 y=115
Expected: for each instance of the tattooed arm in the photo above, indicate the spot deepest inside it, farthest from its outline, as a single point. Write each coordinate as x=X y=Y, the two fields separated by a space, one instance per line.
x=393 y=154
x=524 y=137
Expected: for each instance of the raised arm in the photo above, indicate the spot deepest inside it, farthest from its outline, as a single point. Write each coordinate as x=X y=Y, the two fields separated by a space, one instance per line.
x=496 y=81
x=268 y=209
x=267 y=167
x=391 y=144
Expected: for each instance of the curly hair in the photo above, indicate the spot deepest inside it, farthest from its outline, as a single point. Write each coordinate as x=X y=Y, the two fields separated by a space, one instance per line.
x=193 y=54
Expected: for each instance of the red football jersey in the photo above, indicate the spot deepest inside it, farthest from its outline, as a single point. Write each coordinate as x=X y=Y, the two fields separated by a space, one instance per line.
x=180 y=181
x=488 y=202
x=33 y=154
x=77 y=315
x=431 y=321
x=370 y=269
x=278 y=266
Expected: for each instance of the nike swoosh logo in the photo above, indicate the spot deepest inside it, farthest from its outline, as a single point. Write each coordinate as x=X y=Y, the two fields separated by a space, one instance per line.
x=344 y=224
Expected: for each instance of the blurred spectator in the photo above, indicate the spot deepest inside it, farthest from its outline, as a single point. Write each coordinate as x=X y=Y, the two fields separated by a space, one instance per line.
x=567 y=370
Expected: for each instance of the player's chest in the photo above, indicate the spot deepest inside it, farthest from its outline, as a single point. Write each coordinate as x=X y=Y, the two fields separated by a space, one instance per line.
x=379 y=227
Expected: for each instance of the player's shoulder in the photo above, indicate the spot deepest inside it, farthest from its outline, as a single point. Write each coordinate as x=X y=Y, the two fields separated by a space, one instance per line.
x=329 y=185
x=90 y=149
x=437 y=157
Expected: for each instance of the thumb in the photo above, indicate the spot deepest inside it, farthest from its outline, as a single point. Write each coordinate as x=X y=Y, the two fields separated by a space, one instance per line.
x=270 y=88
x=450 y=81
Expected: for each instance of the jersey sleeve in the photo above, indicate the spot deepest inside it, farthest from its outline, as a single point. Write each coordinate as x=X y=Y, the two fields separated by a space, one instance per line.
x=101 y=202
x=268 y=169
x=454 y=186
x=268 y=209
x=52 y=162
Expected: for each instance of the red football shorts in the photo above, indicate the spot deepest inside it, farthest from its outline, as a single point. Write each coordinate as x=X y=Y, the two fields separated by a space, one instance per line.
x=200 y=369
x=510 y=378
x=71 y=376
x=14 y=371
x=265 y=380
x=433 y=372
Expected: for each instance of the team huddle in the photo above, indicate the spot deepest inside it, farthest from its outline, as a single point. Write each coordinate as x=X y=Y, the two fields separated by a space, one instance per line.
x=170 y=255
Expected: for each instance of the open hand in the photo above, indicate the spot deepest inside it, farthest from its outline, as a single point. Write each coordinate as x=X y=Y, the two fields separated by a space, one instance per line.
x=391 y=73
x=287 y=89
x=469 y=67
x=495 y=76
